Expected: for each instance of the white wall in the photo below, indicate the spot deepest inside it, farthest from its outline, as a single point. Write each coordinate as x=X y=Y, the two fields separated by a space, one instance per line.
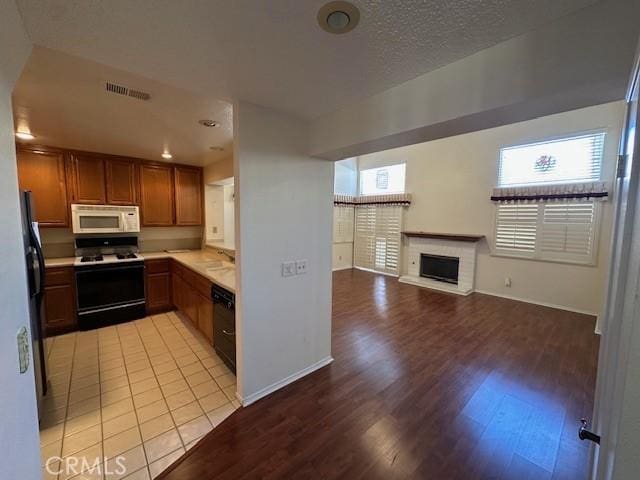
x=283 y=212
x=229 y=214
x=19 y=441
x=579 y=60
x=451 y=180
x=345 y=180
x=214 y=212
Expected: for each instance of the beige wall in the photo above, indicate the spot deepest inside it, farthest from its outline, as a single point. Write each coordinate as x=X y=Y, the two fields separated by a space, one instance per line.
x=214 y=172
x=451 y=181
x=19 y=442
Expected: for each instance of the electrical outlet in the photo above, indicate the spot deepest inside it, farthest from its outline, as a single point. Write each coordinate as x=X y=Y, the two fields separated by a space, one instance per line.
x=507 y=281
x=23 y=349
x=288 y=269
x=214 y=229
x=301 y=267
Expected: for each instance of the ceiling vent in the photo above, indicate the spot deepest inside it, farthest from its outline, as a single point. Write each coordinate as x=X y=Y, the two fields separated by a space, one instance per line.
x=126 y=91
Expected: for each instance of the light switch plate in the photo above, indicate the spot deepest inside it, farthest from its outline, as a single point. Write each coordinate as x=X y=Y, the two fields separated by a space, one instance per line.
x=301 y=267
x=288 y=269
x=23 y=349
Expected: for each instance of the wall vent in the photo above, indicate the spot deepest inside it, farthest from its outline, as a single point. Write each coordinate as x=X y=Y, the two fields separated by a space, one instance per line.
x=126 y=91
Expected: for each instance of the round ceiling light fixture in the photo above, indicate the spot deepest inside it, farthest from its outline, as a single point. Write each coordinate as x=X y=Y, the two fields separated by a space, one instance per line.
x=338 y=17
x=167 y=156
x=209 y=123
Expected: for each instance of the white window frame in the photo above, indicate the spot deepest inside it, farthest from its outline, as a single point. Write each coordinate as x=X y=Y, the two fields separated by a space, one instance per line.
x=538 y=254
x=391 y=192
x=551 y=139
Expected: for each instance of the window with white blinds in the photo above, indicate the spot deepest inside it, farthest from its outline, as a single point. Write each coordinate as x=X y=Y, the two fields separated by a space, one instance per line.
x=562 y=231
x=343 y=216
x=377 y=238
x=566 y=160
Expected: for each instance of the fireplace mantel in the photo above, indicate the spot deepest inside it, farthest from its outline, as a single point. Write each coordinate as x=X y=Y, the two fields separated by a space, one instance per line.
x=459 y=237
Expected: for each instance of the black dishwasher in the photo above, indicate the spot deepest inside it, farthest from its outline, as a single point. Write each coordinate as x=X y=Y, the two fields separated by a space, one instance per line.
x=224 y=325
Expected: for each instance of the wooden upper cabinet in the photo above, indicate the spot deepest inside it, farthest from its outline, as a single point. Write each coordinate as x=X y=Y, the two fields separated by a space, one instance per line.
x=121 y=181
x=43 y=172
x=188 y=187
x=88 y=179
x=156 y=195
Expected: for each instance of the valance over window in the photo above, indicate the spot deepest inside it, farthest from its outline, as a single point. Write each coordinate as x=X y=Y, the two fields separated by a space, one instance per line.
x=551 y=192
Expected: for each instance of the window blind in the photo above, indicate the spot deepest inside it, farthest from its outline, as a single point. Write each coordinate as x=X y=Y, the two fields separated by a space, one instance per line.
x=517 y=227
x=377 y=238
x=565 y=160
x=562 y=231
x=568 y=231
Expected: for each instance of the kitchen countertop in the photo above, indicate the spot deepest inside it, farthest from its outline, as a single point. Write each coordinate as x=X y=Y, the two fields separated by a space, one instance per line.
x=204 y=262
x=221 y=245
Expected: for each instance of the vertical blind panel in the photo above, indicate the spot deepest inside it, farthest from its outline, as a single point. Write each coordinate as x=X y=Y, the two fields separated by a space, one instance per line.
x=571 y=159
x=377 y=237
x=516 y=227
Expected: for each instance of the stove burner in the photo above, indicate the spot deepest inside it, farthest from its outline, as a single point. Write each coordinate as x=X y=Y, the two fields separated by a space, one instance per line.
x=94 y=258
x=122 y=256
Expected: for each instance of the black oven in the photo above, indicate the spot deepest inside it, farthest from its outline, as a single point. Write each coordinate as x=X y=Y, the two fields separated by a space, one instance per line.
x=109 y=293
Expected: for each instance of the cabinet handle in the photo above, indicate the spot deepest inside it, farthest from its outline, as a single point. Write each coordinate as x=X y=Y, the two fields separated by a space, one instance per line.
x=231 y=334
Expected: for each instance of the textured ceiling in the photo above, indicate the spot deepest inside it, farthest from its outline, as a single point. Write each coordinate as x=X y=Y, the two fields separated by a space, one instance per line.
x=272 y=52
x=62 y=100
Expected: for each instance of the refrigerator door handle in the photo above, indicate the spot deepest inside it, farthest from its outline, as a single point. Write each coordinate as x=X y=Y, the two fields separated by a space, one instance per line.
x=39 y=256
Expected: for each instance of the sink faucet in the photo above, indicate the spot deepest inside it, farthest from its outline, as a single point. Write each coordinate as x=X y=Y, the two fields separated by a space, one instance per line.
x=231 y=258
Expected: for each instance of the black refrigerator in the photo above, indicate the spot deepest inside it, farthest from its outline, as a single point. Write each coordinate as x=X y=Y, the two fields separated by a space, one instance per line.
x=34 y=260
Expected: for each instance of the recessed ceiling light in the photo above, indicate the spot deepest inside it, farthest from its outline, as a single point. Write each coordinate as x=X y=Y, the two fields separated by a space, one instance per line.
x=167 y=156
x=209 y=123
x=338 y=17
x=25 y=136
x=216 y=149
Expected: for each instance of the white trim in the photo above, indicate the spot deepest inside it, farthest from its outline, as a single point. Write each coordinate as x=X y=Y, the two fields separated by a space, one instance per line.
x=542 y=304
x=370 y=270
x=254 y=397
x=343 y=268
x=434 y=285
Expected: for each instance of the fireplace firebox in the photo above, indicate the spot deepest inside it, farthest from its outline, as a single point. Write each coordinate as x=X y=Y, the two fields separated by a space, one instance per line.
x=439 y=267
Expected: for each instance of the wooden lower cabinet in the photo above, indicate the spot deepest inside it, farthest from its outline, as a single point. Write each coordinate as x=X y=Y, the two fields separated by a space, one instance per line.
x=59 y=301
x=158 y=286
x=205 y=317
x=192 y=297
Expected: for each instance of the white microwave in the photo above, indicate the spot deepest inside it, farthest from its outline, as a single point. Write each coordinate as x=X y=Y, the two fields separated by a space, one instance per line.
x=104 y=219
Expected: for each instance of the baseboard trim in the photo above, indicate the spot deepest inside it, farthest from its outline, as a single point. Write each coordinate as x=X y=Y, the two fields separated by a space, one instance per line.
x=254 y=397
x=535 y=302
x=341 y=268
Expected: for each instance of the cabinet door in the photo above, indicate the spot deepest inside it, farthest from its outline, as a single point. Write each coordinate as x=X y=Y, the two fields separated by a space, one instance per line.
x=156 y=195
x=121 y=182
x=88 y=179
x=59 y=309
x=205 y=317
x=188 y=187
x=191 y=304
x=43 y=172
x=158 y=292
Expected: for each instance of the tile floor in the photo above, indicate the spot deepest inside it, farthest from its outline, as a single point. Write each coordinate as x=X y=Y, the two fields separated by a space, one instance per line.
x=137 y=394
